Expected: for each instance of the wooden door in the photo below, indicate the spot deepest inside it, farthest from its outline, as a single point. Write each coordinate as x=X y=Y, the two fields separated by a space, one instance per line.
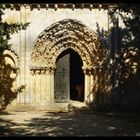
x=62 y=78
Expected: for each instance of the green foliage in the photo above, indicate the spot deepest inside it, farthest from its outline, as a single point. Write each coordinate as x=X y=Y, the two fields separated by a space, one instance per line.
x=123 y=61
x=7 y=95
x=8 y=29
x=129 y=61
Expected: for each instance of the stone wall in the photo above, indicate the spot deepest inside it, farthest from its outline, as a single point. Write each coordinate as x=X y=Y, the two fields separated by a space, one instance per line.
x=23 y=43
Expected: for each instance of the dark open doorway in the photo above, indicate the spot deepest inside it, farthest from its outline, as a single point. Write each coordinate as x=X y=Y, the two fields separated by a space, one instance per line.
x=76 y=77
x=69 y=77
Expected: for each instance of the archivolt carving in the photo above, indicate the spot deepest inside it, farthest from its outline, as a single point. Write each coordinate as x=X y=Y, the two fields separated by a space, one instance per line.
x=61 y=36
x=14 y=57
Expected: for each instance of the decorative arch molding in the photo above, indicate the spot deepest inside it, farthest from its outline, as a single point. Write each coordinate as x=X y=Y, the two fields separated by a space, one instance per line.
x=14 y=57
x=62 y=35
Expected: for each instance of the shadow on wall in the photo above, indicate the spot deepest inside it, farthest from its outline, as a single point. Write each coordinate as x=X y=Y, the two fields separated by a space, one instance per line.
x=116 y=84
x=8 y=87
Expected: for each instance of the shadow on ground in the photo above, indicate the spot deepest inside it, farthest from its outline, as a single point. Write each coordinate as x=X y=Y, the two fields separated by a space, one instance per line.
x=69 y=124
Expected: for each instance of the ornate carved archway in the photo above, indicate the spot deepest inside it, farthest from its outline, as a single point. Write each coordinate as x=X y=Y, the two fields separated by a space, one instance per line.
x=60 y=36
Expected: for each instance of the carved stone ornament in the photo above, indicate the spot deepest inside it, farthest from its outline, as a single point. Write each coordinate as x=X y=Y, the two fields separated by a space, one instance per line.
x=14 y=57
x=42 y=70
x=63 y=35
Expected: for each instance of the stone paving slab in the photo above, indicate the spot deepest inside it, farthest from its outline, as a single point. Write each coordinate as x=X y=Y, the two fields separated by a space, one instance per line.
x=42 y=123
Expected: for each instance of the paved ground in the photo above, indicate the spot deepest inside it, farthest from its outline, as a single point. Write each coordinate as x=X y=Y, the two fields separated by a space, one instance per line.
x=69 y=124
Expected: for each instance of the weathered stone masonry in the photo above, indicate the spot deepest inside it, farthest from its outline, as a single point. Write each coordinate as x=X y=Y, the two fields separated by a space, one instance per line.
x=53 y=29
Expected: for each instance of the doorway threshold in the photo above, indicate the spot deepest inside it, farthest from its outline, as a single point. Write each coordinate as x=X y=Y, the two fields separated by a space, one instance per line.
x=77 y=106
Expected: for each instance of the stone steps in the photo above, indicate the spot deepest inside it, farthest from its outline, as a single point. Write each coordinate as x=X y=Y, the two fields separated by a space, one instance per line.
x=50 y=107
x=77 y=106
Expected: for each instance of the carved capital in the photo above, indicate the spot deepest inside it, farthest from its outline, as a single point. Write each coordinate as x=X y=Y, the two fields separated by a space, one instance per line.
x=42 y=70
x=38 y=71
x=87 y=69
x=91 y=70
x=51 y=70
x=32 y=71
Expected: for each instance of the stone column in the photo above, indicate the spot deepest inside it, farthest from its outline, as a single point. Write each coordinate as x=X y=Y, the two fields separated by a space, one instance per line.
x=18 y=78
x=87 y=88
x=49 y=88
x=43 y=86
x=34 y=88
x=87 y=73
x=52 y=88
x=22 y=55
x=91 y=82
x=111 y=60
x=115 y=57
x=91 y=96
x=27 y=53
x=32 y=77
x=51 y=72
x=37 y=87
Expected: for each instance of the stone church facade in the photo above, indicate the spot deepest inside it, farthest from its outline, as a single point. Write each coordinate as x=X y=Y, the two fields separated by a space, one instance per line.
x=42 y=54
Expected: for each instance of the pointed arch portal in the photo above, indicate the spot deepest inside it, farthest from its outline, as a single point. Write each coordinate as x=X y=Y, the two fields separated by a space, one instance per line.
x=70 y=48
x=68 y=77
